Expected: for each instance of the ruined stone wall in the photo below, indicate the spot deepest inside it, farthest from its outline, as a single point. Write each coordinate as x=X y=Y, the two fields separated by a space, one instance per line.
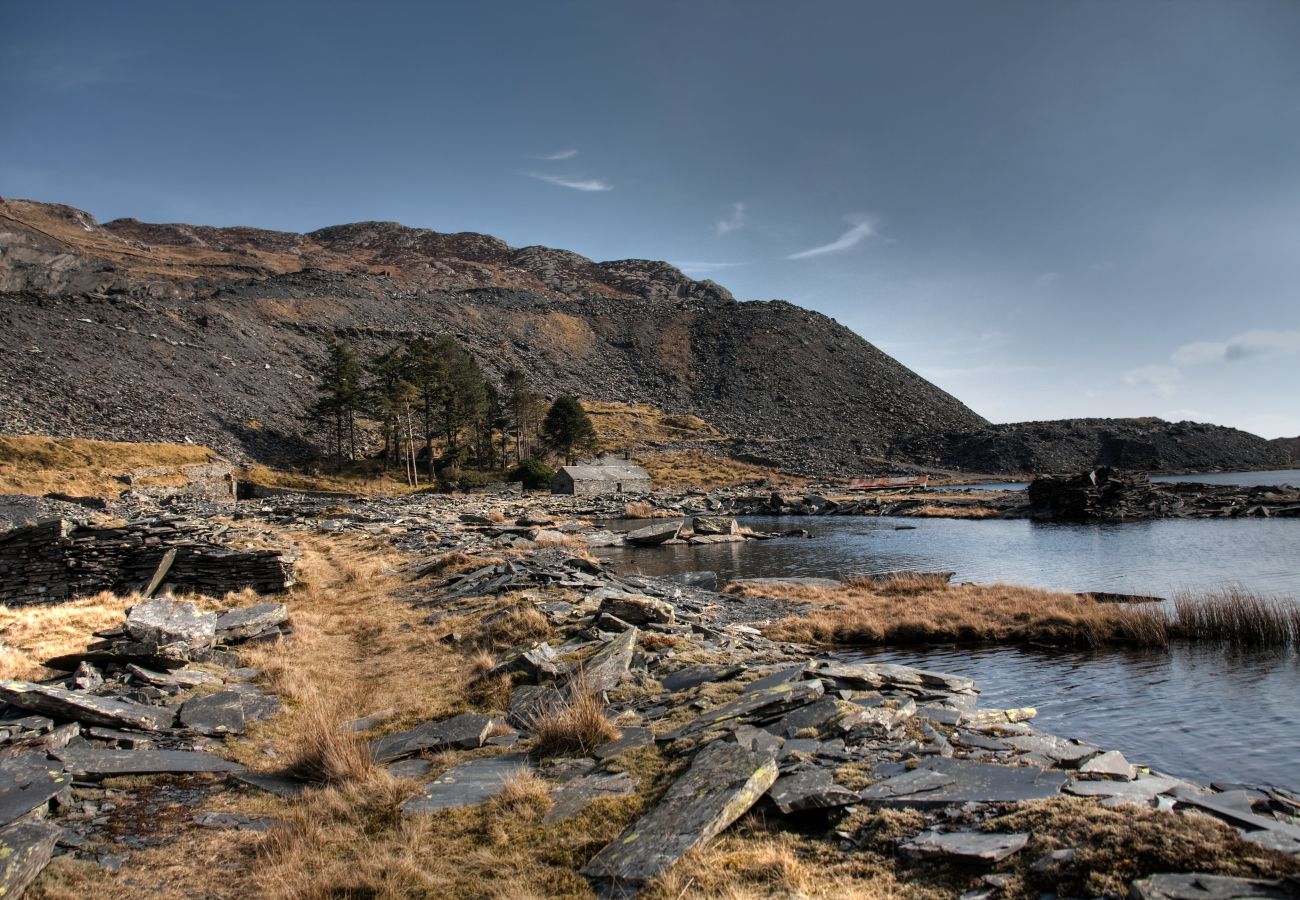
x=57 y=560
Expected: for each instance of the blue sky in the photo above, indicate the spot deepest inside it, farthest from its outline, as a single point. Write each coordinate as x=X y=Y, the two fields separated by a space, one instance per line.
x=1050 y=209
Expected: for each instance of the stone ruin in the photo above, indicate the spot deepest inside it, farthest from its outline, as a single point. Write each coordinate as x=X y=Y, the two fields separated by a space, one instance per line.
x=58 y=559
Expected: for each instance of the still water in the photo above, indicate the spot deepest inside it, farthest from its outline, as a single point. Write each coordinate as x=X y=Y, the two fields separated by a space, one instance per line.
x=1159 y=557
x=1203 y=712
x=1245 y=479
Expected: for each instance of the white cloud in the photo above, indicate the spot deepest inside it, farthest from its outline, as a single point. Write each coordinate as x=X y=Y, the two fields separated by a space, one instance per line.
x=1163 y=380
x=703 y=267
x=1248 y=344
x=734 y=220
x=861 y=229
x=573 y=184
x=1047 y=279
x=559 y=155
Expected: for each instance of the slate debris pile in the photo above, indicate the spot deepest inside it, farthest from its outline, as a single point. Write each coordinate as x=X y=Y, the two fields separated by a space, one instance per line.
x=112 y=715
x=59 y=559
x=1106 y=494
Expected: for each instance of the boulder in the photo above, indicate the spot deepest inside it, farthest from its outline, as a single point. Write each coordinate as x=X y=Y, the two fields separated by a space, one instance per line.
x=163 y=621
x=702 y=525
x=638 y=609
x=654 y=534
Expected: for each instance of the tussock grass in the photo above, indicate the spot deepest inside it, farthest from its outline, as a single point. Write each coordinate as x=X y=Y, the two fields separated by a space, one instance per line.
x=513 y=627
x=326 y=753
x=458 y=563
x=580 y=725
x=639 y=509
x=34 y=464
x=921 y=609
x=952 y=511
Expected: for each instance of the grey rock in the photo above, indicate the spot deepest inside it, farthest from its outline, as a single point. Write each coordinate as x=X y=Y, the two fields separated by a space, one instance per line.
x=693 y=676
x=636 y=609
x=25 y=850
x=239 y=624
x=89 y=761
x=874 y=676
x=233 y=821
x=604 y=669
x=781 y=676
x=530 y=702
x=85 y=708
x=724 y=781
x=964 y=846
x=29 y=781
x=1208 y=887
x=1140 y=791
x=409 y=768
x=1212 y=804
x=940 y=781
x=719 y=525
x=576 y=794
x=1109 y=765
x=162 y=621
x=180 y=678
x=766 y=704
x=654 y=534
x=280 y=785
x=809 y=789
x=632 y=738
x=228 y=712
x=466 y=731
x=815 y=717
x=1050 y=749
x=467 y=784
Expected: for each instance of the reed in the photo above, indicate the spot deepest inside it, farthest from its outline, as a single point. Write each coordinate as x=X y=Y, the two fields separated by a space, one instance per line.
x=1235 y=616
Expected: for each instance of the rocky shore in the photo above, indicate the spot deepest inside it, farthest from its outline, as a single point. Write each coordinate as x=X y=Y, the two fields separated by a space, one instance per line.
x=712 y=722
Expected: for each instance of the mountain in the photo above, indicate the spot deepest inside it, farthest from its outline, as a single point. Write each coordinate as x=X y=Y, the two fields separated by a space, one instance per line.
x=128 y=330
x=1290 y=447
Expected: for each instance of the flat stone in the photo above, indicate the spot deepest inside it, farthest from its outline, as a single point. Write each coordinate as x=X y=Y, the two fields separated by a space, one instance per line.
x=781 y=676
x=693 y=676
x=163 y=621
x=365 y=723
x=604 y=669
x=964 y=846
x=576 y=794
x=1208 y=887
x=874 y=676
x=878 y=721
x=85 y=708
x=409 y=768
x=180 y=678
x=28 y=781
x=530 y=702
x=765 y=704
x=706 y=539
x=637 y=609
x=632 y=738
x=467 y=784
x=654 y=534
x=466 y=731
x=25 y=850
x=724 y=781
x=809 y=789
x=1141 y=791
x=1212 y=804
x=1109 y=765
x=280 y=785
x=941 y=780
x=815 y=717
x=997 y=719
x=239 y=624
x=226 y=821
x=84 y=760
x=1051 y=749
x=228 y=712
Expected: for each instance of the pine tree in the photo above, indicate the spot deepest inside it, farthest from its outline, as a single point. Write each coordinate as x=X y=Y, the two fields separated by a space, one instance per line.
x=340 y=396
x=567 y=428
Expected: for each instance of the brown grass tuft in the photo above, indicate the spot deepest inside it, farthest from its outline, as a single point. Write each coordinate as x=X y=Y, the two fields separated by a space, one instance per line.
x=326 y=753
x=578 y=726
x=517 y=626
x=1237 y=616
x=640 y=509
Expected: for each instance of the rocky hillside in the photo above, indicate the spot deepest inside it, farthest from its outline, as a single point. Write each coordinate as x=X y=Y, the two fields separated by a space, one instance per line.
x=1290 y=447
x=127 y=330
x=1076 y=445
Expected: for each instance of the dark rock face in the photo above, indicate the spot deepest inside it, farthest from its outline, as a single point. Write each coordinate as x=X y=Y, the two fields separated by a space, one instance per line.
x=1106 y=494
x=214 y=328
x=1074 y=445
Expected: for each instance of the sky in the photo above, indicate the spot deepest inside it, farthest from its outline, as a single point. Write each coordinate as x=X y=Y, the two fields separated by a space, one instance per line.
x=1049 y=209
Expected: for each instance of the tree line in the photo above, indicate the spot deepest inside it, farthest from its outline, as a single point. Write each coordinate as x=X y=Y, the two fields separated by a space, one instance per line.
x=428 y=392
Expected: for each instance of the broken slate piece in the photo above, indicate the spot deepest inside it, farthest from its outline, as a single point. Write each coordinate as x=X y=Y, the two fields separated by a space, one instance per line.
x=1141 y=791
x=575 y=795
x=25 y=850
x=779 y=677
x=632 y=738
x=530 y=702
x=941 y=780
x=654 y=534
x=180 y=678
x=84 y=708
x=164 y=621
x=1208 y=887
x=637 y=609
x=809 y=789
x=233 y=821
x=1049 y=749
x=467 y=784
x=409 y=768
x=722 y=783
x=1109 y=765
x=238 y=624
x=466 y=731
x=764 y=704
x=91 y=761
x=604 y=669
x=284 y=786
x=693 y=676
x=229 y=712
x=964 y=846
x=28 y=781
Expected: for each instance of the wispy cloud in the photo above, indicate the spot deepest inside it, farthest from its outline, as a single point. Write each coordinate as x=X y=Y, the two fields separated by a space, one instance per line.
x=1047 y=279
x=573 y=184
x=734 y=220
x=706 y=267
x=861 y=229
x=1161 y=379
x=559 y=155
x=1247 y=345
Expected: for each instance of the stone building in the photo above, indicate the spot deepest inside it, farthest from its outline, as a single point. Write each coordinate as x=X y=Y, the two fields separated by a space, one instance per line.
x=603 y=476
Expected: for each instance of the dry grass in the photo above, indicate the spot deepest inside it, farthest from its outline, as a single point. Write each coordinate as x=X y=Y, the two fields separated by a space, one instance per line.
x=1115 y=846
x=952 y=511
x=458 y=563
x=369 y=482
x=578 y=726
x=326 y=753
x=707 y=469
x=640 y=509
x=33 y=464
x=512 y=627
x=916 y=608
x=30 y=634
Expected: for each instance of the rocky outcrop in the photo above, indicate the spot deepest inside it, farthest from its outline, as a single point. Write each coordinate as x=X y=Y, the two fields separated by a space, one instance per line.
x=1106 y=494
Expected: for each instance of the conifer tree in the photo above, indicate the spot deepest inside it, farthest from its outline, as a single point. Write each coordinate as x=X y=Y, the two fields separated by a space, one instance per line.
x=567 y=428
x=340 y=396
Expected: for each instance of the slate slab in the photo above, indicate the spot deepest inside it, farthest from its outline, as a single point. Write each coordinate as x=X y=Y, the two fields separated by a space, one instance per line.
x=85 y=708
x=229 y=712
x=631 y=738
x=940 y=781
x=530 y=702
x=163 y=621
x=874 y=676
x=765 y=704
x=239 y=624
x=654 y=534
x=27 y=781
x=604 y=669
x=466 y=731
x=272 y=782
x=1211 y=804
x=724 y=781
x=92 y=761
x=1109 y=765
x=575 y=795
x=1051 y=749
x=25 y=850
x=636 y=609
x=1140 y=791
x=809 y=789
x=467 y=784
x=1208 y=887
x=693 y=676
x=180 y=678
x=964 y=846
